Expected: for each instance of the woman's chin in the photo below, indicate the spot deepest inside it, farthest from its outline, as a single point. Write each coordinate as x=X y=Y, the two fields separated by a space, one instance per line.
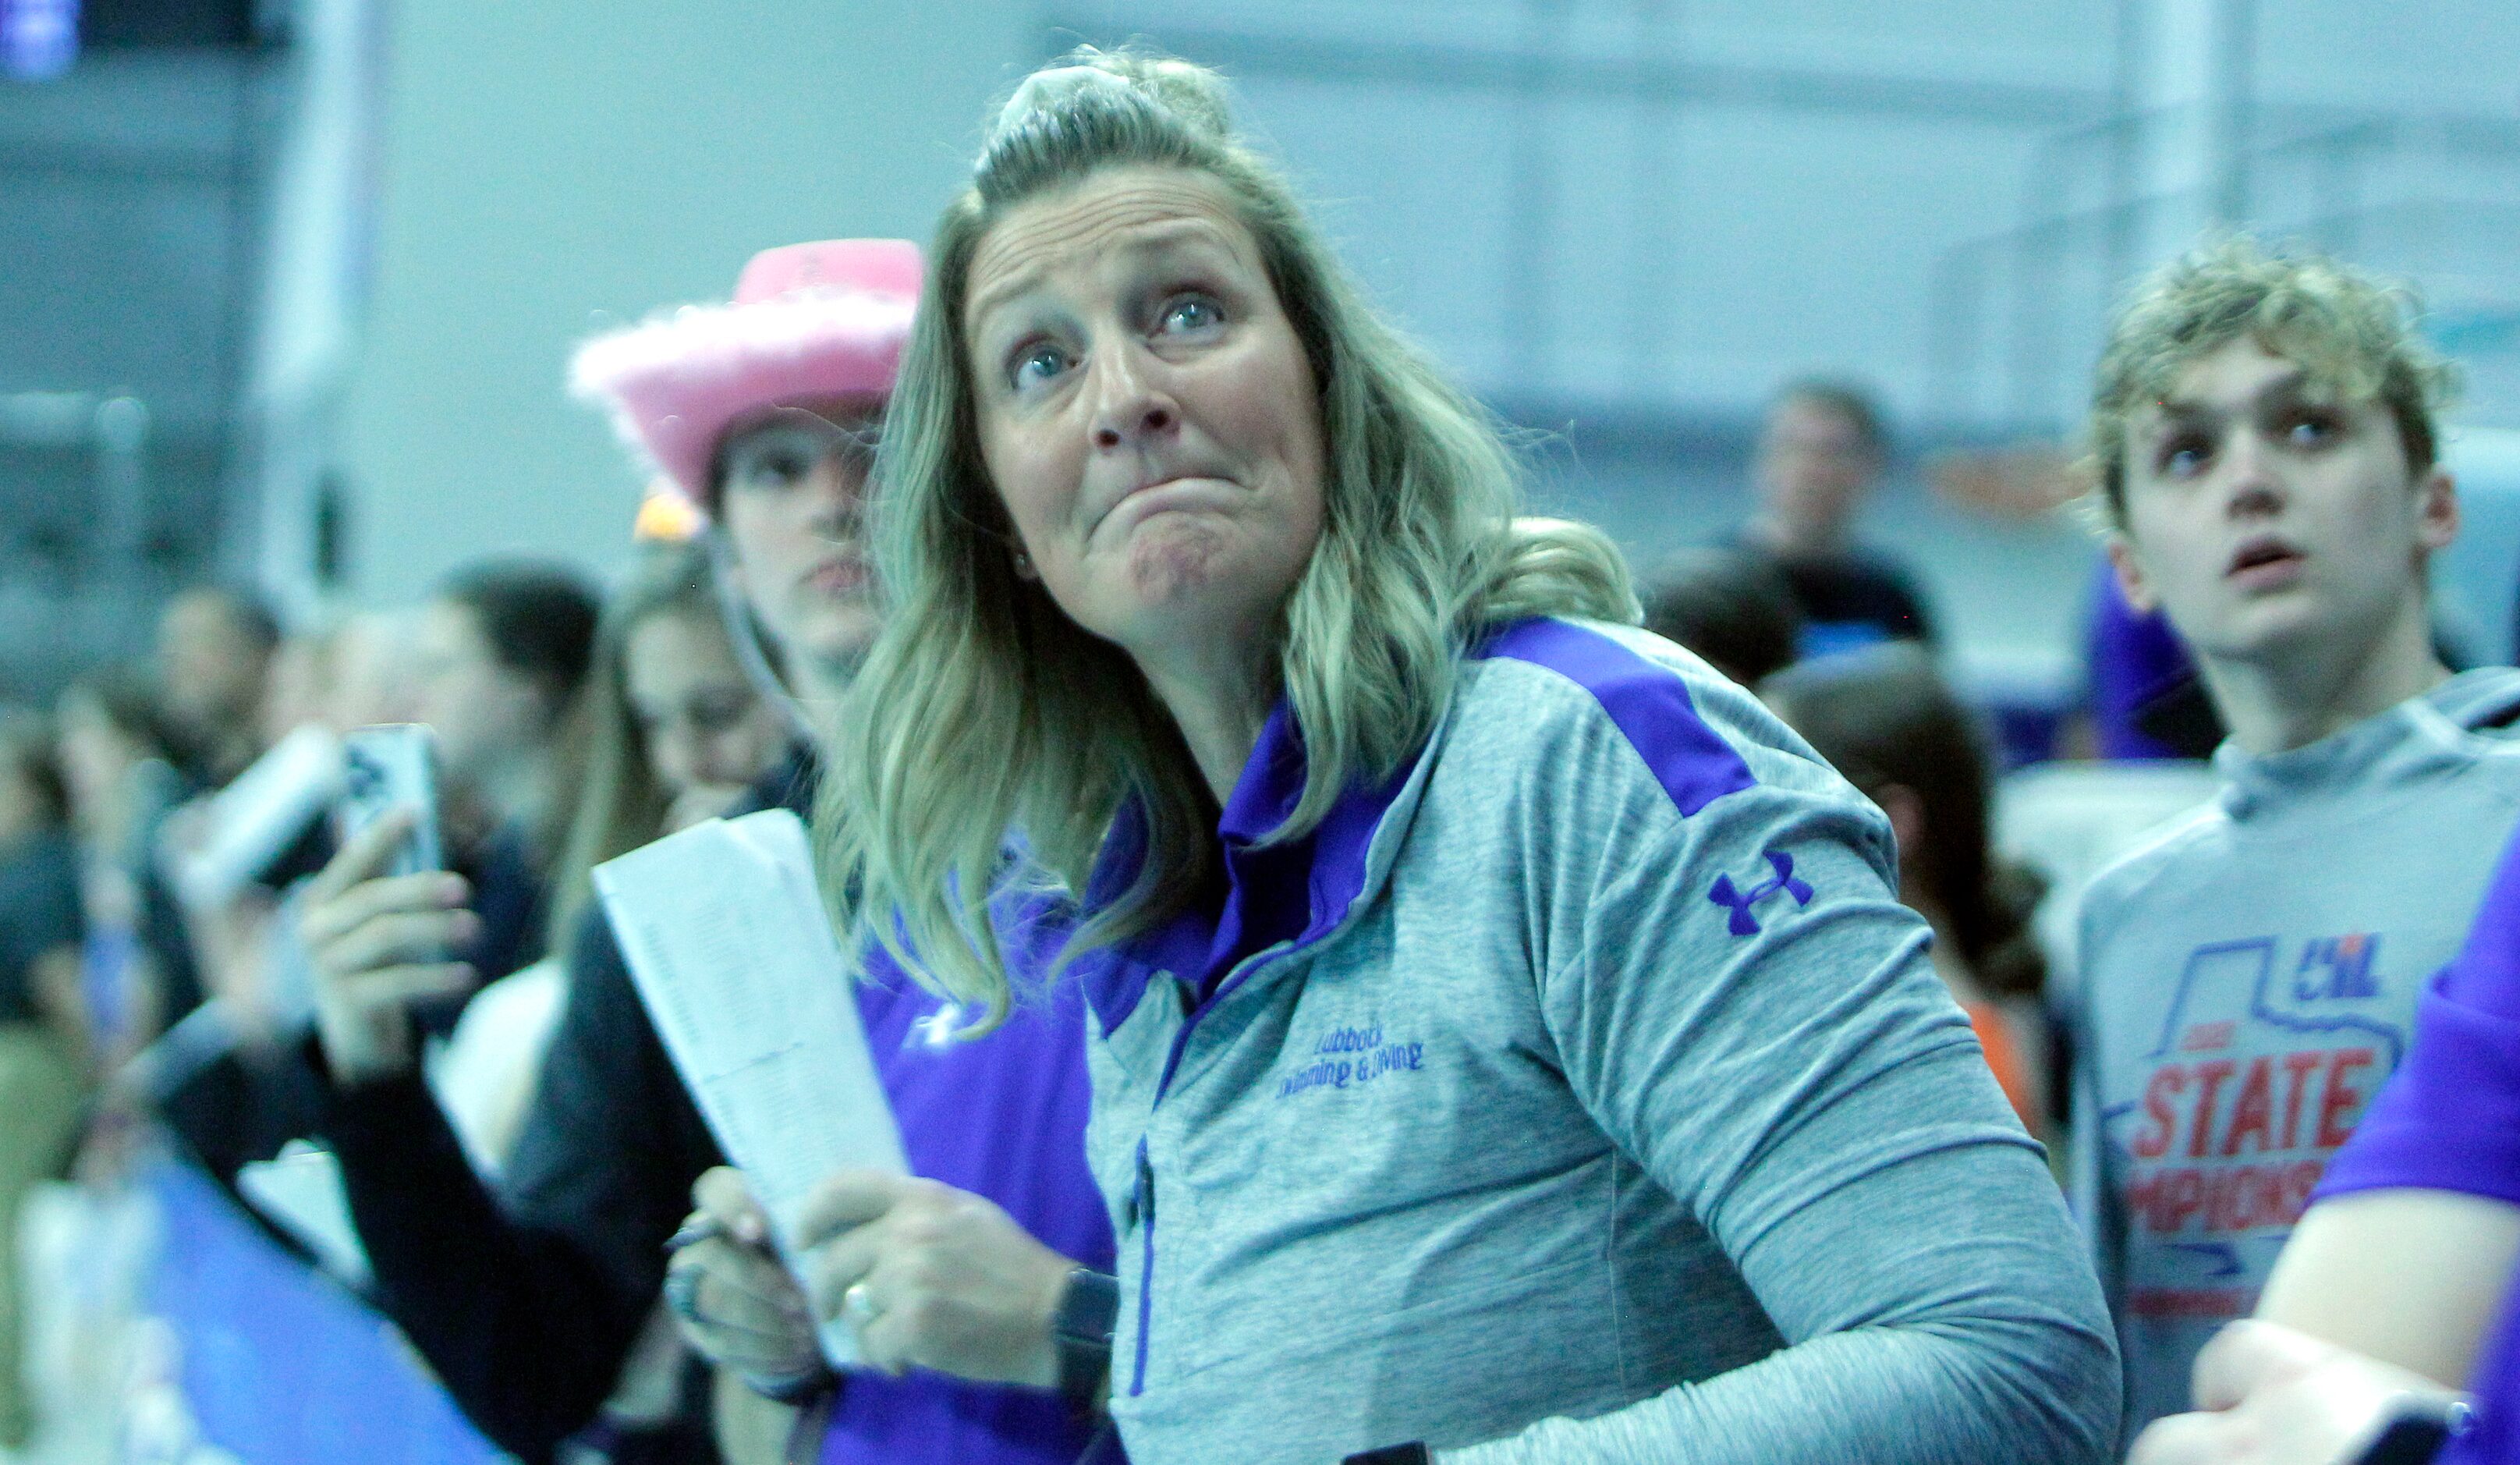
x=1178 y=563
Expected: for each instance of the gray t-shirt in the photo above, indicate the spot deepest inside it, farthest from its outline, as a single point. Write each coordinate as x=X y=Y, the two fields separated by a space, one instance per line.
x=1604 y=1106
x=2247 y=982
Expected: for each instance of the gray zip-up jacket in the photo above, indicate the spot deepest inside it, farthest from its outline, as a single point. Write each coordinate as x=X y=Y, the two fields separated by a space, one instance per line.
x=2248 y=980
x=1599 y=1104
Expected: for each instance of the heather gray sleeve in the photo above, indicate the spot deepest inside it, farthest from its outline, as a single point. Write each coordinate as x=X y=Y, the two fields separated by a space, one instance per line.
x=2099 y=1206
x=1809 y=1091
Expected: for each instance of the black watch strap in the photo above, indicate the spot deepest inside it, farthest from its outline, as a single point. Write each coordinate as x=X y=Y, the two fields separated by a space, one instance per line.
x=1411 y=1454
x=1088 y=1312
x=2416 y=1431
x=1089 y=1309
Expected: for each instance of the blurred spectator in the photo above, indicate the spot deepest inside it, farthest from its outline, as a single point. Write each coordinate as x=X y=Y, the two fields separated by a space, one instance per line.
x=367 y=664
x=215 y=647
x=677 y=730
x=40 y=931
x=676 y=733
x=1884 y=717
x=116 y=751
x=42 y=922
x=296 y=691
x=238 y=917
x=498 y=662
x=1731 y=607
x=116 y=754
x=1821 y=454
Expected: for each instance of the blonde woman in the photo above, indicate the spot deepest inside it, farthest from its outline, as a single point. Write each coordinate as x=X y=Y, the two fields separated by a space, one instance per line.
x=677 y=731
x=1507 y=1042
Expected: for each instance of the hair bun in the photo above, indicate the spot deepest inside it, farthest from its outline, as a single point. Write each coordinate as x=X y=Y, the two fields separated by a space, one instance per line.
x=1190 y=92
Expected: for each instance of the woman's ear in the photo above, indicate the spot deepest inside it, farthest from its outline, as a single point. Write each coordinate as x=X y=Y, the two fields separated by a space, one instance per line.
x=1024 y=570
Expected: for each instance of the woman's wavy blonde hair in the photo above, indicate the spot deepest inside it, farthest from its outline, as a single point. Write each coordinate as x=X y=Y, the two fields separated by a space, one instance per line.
x=620 y=803
x=983 y=715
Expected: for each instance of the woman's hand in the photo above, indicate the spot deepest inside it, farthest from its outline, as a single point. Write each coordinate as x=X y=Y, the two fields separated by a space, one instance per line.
x=2270 y=1395
x=934 y=1277
x=737 y=1305
x=378 y=945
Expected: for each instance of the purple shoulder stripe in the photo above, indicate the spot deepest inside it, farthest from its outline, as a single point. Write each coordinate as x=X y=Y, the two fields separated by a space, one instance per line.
x=1647 y=702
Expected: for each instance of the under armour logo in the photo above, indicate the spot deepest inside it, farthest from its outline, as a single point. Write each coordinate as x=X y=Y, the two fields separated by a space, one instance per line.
x=1737 y=900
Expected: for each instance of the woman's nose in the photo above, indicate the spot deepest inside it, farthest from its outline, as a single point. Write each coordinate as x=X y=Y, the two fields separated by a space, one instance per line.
x=834 y=488
x=677 y=766
x=1131 y=409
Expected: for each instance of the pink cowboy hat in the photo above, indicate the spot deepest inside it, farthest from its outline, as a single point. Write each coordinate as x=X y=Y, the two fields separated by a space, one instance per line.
x=808 y=321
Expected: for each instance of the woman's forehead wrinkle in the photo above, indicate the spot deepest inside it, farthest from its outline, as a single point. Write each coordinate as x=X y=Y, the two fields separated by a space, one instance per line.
x=1041 y=239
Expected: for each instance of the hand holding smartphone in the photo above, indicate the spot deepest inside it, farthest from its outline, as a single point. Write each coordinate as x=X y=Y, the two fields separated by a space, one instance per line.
x=383 y=924
x=388 y=767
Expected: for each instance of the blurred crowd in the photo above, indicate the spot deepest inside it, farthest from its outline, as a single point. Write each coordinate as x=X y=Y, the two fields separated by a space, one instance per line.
x=2234 y=952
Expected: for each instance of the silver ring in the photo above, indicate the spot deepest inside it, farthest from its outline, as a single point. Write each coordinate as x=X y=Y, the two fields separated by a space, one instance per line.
x=683 y=1294
x=860 y=1305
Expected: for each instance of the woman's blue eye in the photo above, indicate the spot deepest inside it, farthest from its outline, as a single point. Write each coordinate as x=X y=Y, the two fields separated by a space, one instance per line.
x=1195 y=313
x=2310 y=429
x=1037 y=365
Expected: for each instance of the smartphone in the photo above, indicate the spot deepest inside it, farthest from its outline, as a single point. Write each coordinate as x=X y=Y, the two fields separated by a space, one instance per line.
x=248 y=827
x=390 y=767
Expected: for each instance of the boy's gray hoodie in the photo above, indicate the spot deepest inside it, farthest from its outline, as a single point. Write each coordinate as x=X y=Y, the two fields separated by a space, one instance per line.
x=2248 y=978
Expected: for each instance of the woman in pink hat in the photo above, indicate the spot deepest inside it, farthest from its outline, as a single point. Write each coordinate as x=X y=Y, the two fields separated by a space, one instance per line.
x=991 y=1326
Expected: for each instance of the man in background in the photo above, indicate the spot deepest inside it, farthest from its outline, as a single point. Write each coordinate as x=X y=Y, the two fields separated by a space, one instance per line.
x=1822 y=452
x=215 y=654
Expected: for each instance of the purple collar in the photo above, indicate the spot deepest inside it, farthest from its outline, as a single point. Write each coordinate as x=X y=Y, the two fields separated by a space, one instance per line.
x=1299 y=891
x=1302 y=890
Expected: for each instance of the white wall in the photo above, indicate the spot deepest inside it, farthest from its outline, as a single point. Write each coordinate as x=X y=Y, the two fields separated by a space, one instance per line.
x=555 y=168
x=1667 y=204
x=1614 y=214
x=1786 y=199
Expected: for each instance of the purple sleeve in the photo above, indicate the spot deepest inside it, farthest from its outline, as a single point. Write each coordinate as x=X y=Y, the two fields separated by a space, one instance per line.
x=2450 y=1118
x=2133 y=657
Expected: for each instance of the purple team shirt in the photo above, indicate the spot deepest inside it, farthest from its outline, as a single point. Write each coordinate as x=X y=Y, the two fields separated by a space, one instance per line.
x=2450 y=1119
x=1003 y=1118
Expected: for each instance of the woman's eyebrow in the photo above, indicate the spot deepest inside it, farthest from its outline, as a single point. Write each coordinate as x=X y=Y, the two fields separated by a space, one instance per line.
x=1190 y=235
x=1001 y=293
